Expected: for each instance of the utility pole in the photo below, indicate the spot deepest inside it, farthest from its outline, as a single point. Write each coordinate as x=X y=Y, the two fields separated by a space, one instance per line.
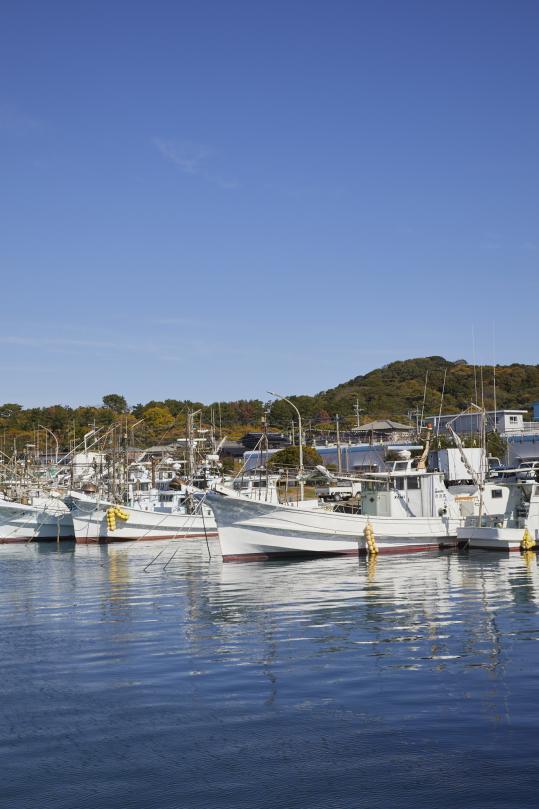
x=190 y=444
x=357 y=411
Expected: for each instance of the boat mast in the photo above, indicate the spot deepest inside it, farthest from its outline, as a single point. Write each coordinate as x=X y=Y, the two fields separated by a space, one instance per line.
x=422 y=462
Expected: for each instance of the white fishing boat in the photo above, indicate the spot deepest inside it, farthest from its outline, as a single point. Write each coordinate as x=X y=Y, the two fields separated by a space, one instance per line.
x=517 y=528
x=40 y=517
x=157 y=514
x=409 y=510
x=158 y=506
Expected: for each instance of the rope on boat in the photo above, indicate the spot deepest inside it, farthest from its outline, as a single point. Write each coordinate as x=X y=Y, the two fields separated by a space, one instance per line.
x=150 y=563
x=190 y=520
x=204 y=526
x=171 y=558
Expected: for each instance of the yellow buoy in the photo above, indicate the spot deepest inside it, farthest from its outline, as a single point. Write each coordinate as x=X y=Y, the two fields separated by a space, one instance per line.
x=115 y=512
x=529 y=558
x=371 y=566
x=527 y=543
x=370 y=542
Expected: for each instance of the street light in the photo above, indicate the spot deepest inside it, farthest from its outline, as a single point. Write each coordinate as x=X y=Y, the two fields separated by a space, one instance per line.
x=56 y=440
x=300 y=471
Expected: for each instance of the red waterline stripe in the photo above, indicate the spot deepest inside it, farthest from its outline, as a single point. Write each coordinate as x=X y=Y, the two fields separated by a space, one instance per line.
x=248 y=557
x=12 y=540
x=107 y=540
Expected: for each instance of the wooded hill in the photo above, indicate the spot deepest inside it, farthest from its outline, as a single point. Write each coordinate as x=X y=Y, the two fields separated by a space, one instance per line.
x=398 y=388
x=393 y=391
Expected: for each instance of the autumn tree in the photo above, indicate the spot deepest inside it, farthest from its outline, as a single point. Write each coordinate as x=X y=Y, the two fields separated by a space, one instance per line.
x=115 y=402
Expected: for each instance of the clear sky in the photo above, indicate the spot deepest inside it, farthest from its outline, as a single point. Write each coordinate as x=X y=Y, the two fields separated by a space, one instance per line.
x=209 y=199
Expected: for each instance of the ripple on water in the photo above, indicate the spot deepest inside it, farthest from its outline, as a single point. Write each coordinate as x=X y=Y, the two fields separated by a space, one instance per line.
x=324 y=683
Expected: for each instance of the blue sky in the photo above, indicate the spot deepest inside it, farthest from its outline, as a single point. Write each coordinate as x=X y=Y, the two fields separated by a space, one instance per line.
x=206 y=200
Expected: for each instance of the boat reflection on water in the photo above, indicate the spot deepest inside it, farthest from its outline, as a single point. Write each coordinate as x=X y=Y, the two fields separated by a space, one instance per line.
x=320 y=676
x=430 y=579
x=435 y=612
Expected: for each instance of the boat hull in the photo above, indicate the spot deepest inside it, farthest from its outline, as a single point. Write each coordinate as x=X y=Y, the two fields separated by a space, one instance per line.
x=91 y=525
x=27 y=523
x=494 y=539
x=249 y=530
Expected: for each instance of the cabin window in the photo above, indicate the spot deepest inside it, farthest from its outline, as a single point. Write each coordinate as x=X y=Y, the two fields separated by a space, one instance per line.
x=165 y=498
x=496 y=493
x=413 y=483
x=513 y=419
x=144 y=487
x=399 y=483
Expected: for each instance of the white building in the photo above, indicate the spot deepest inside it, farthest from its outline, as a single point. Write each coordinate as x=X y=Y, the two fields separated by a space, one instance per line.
x=504 y=422
x=522 y=436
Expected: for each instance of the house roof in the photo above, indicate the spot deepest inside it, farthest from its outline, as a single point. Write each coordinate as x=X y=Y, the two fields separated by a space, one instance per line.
x=382 y=425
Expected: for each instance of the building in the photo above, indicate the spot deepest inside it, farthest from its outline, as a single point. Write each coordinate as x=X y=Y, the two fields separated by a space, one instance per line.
x=384 y=430
x=522 y=436
x=504 y=422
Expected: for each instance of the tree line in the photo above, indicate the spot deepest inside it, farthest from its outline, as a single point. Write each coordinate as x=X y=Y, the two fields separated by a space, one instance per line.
x=398 y=390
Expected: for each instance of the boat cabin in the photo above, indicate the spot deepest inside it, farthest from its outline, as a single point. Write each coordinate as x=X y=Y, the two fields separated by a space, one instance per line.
x=257 y=485
x=521 y=506
x=405 y=494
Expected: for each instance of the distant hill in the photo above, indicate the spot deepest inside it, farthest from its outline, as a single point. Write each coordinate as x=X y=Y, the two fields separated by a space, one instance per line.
x=393 y=391
x=397 y=389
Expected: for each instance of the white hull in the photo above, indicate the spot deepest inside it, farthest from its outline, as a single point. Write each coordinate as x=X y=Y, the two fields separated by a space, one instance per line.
x=24 y=523
x=258 y=530
x=90 y=524
x=494 y=539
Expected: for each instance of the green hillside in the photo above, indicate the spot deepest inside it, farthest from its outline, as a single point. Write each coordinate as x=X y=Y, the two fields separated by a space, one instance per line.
x=393 y=391
x=397 y=389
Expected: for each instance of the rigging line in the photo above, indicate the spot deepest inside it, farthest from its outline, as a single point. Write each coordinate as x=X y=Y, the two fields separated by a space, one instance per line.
x=153 y=560
x=189 y=522
x=174 y=536
x=424 y=397
x=205 y=532
x=441 y=404
x=37 y=527
x=257 y=445
x=171 y=558
x=33 y=513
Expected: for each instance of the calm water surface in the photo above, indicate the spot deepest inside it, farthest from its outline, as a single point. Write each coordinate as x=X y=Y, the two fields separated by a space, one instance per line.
x=404 y=682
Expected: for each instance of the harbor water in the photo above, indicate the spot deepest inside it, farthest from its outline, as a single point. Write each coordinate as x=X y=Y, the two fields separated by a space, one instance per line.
x=181 y=682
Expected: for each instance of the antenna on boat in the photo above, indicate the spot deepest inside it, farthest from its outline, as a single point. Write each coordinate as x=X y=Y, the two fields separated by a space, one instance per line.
x=474 y=364
x=494 y=376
